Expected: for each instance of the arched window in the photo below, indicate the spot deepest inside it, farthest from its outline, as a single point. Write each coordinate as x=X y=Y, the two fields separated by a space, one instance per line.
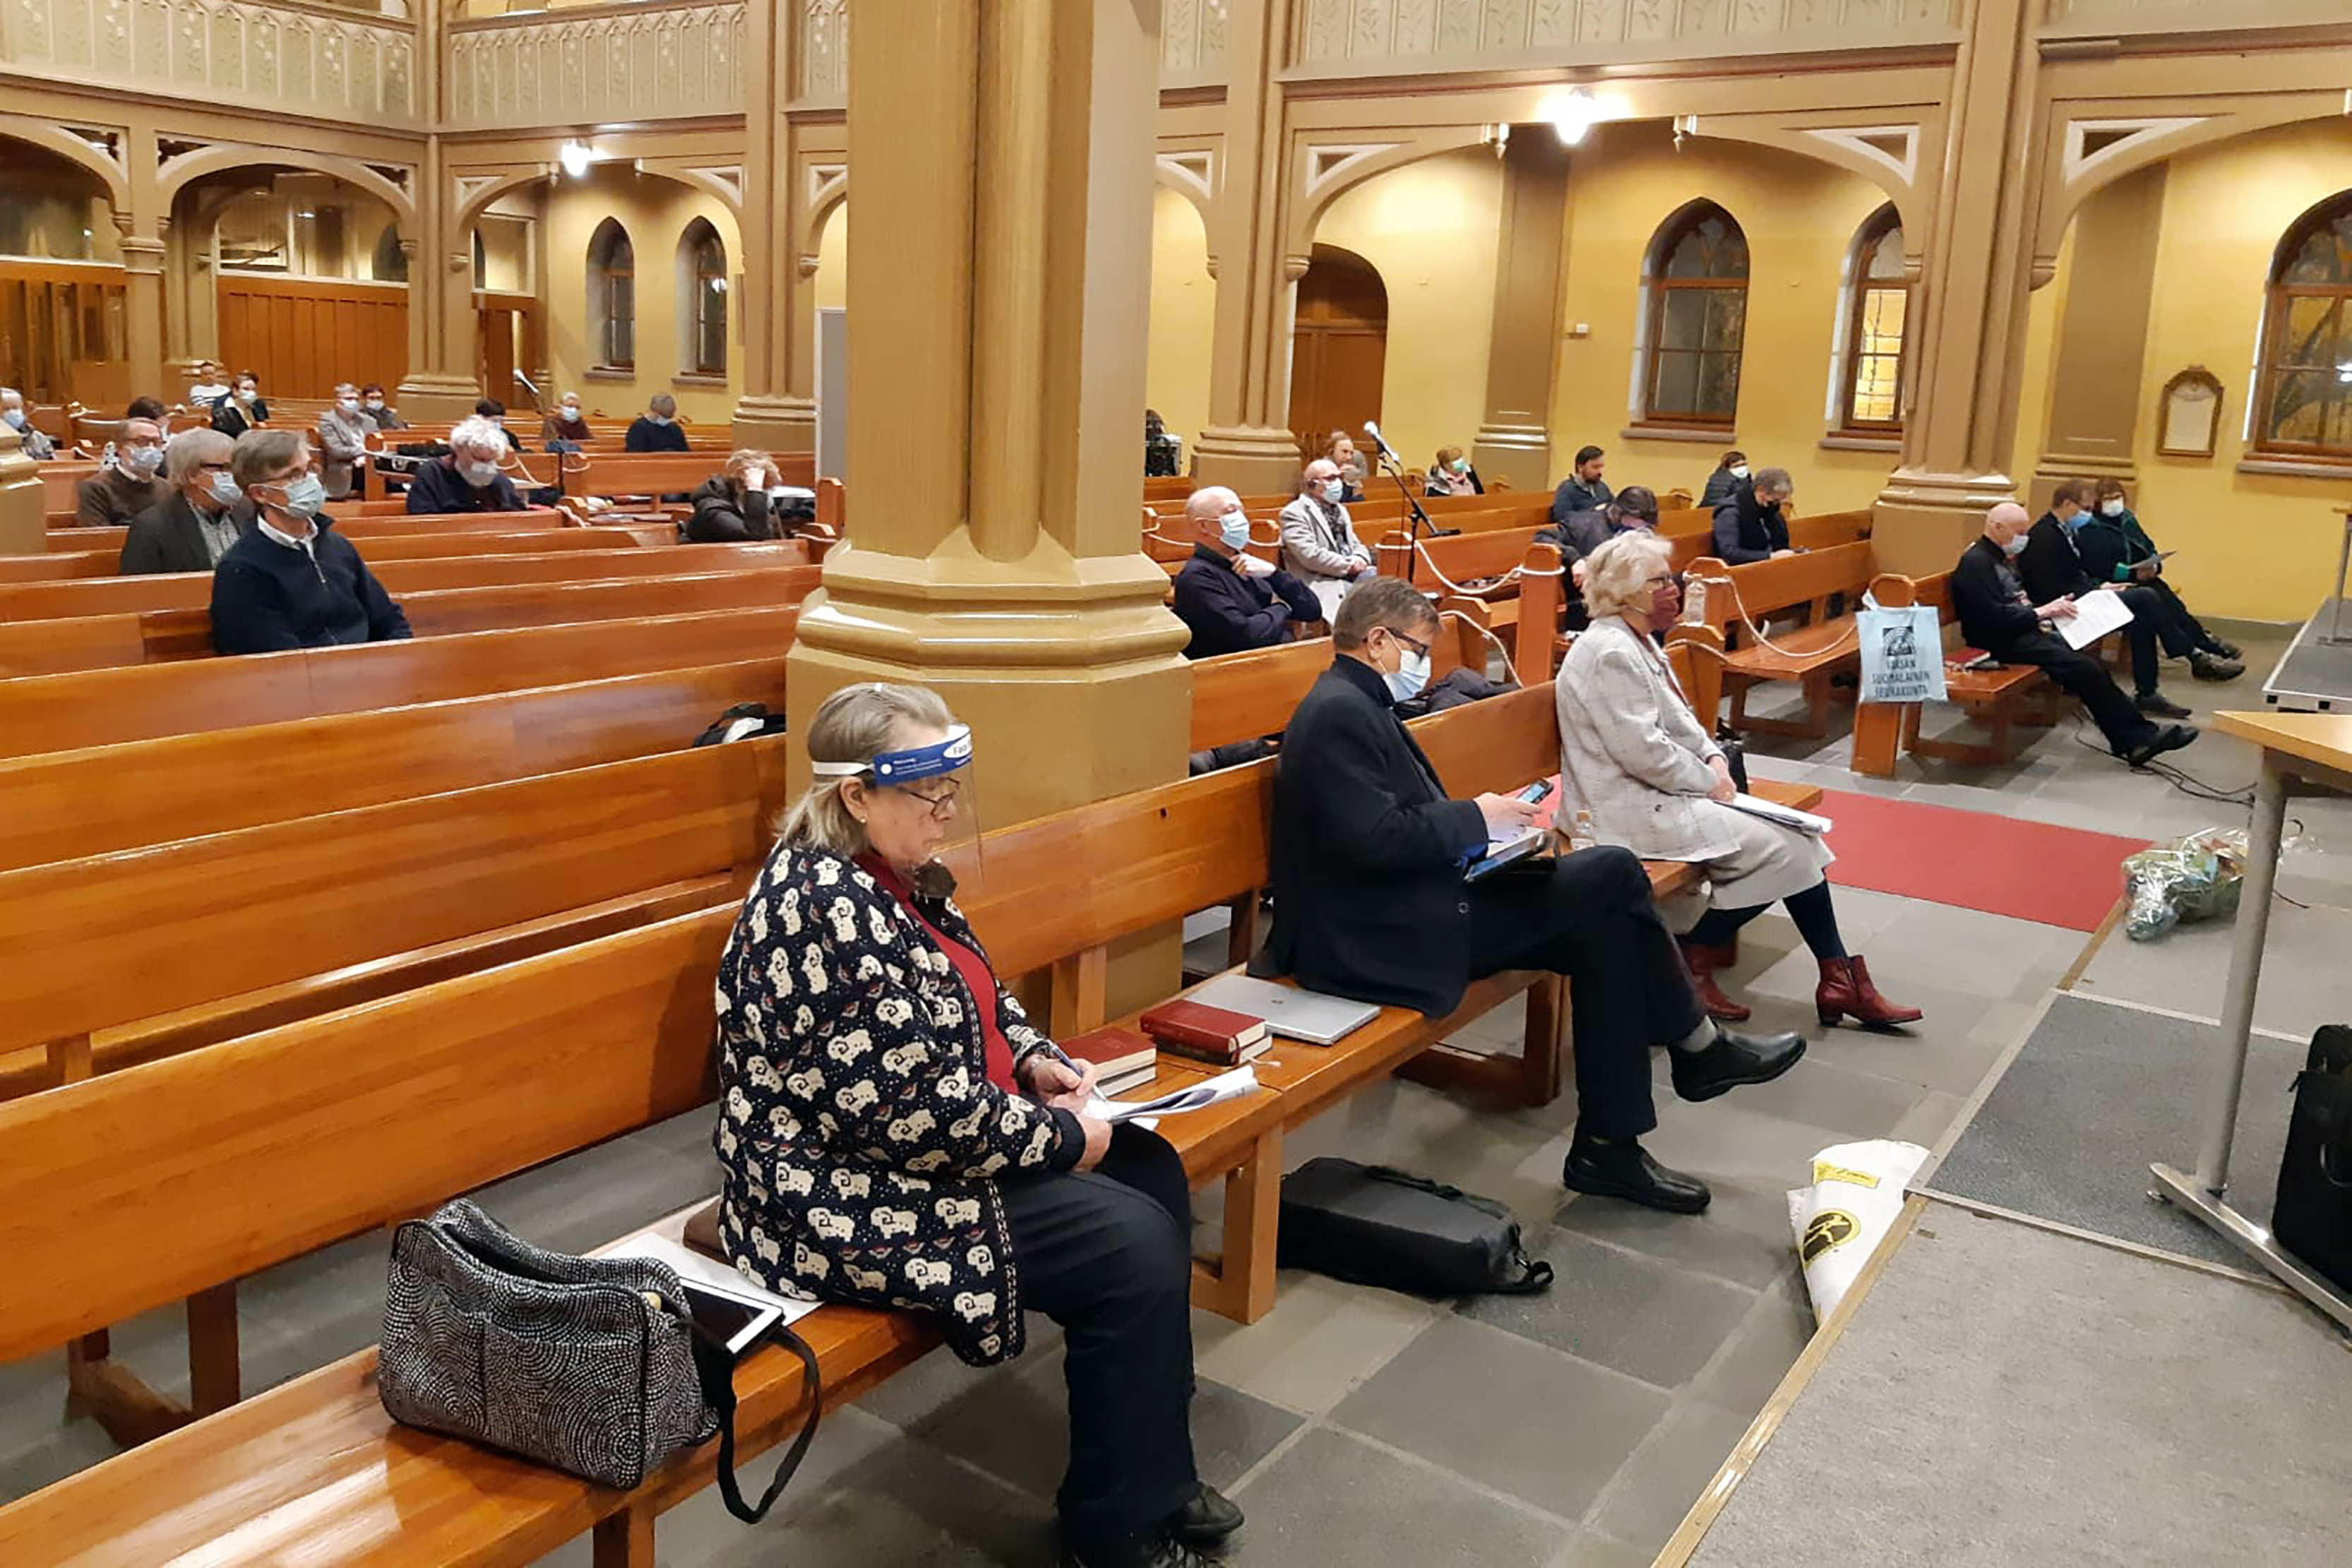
x=1698 y=315
x=1879 y=303
x=612 y=296
x=702 y=267
x=2303 y=398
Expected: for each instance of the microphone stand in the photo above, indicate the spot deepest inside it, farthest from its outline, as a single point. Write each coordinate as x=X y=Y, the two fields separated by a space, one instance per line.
x=1416 y=520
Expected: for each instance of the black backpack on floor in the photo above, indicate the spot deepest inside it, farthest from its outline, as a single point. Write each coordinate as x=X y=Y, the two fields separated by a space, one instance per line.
x=2314 y=1217
x=1373 y=1225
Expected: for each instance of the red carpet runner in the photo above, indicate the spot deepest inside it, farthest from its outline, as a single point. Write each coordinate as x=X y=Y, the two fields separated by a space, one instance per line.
x=2027 y=870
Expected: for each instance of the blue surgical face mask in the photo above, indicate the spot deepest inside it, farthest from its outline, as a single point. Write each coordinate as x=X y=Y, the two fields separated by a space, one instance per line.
x=16 y=418
x=2013 y=545
x=1333 y=489
x=1460 y=465
x=225 y=490
x=1408 y=676
x=1234 y=527
x=2075 y=523
x=142 y=462
x=305 y=496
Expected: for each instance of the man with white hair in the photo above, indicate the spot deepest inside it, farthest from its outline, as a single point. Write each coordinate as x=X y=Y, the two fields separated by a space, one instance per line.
x=467 y=479
x=112 y=496
x=1318 y=538
x=1997 y=615
x=1234 y=602
x=195 y=527
x=343 y=431
x=36 y=446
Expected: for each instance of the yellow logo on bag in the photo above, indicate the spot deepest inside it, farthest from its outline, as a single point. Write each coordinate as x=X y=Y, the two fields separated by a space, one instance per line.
x=1824 y=1171
x=1830 y=1229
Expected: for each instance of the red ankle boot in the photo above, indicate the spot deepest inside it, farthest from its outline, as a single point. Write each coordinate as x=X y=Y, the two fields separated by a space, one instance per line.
x=1702 y=962
x=1845 y=990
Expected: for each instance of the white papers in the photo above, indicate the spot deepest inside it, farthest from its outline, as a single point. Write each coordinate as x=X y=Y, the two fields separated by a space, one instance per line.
x=1787 y=816
x=1224 y=1086
x=2095 y=614
x=693 y=1266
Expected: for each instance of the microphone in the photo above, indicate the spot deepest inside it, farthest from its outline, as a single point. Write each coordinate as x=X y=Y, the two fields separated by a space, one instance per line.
x=1386 y=450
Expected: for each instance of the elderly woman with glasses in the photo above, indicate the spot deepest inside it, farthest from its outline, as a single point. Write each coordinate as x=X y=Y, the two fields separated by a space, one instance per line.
x=893 y=1133
x=1633 y=755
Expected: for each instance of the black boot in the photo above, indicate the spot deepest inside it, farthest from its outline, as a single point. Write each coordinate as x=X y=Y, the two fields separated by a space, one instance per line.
x=2208 y=666
x=1206 y=1520
x=1624 y=1169
x=2215 y=646
x=1159 y=1552
x=1734 y=1060
x=2155 y=704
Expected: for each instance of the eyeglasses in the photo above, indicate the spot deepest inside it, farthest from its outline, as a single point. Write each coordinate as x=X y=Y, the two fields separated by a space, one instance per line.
x=1664 y=580
x=941 y=801
x=1415 y=643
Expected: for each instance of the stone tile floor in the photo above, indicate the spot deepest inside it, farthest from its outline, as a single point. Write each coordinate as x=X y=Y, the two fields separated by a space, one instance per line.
x=1359 y=1426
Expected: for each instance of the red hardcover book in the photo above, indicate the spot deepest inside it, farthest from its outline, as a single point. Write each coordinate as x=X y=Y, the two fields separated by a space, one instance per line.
x=1226 y=1056
x=1218 y=1030
x=1112 y=1051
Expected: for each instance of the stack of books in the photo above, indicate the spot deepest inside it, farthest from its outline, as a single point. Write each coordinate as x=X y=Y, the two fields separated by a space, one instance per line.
x=1198 y=1032
x=1122 y=1059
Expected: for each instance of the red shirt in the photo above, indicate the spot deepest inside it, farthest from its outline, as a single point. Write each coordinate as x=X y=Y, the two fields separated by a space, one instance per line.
x=996 y=1052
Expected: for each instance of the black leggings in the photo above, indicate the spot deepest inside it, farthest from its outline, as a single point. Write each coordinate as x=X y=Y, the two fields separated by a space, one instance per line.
x=1815 y=916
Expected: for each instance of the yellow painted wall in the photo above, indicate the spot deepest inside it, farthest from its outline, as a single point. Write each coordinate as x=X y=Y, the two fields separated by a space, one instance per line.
x=2045 y=307
x=655 y=212
x=1800 y=217
x=2256 y=546
x=1430 y=230
x=1183 y=317
x=832 y=278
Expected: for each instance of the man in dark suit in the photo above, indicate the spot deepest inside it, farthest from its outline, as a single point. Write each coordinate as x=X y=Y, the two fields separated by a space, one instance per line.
x=1997 y=614
x=193 y=529
x=1234 y=602
x=656 y=428
x=1370 y=902
x=2051 y=568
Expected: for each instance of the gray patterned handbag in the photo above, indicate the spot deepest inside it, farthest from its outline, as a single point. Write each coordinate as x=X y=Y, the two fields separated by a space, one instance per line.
x=590 y=1364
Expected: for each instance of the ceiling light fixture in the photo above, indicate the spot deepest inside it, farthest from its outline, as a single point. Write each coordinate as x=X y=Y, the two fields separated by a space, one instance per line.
x=1573 y=113
x=575 y=155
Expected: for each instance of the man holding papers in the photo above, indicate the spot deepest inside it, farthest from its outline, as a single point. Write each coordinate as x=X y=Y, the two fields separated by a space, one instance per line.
x=1997 y=615
x=2052 y=568
x=1370 y=902
x=1633 y=753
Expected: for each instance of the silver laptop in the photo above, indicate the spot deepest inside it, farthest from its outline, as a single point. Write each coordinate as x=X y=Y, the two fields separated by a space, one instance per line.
x=1288 y=1011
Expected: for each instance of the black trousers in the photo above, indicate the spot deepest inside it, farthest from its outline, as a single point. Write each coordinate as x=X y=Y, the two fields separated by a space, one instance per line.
x=1590 y=917
x=1108 y=1254
x=2082 y=677
x=2154 y=623
x=2190 y=627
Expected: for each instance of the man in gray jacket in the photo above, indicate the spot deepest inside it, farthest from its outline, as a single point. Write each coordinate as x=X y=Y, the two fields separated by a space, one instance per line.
x=1319 y=545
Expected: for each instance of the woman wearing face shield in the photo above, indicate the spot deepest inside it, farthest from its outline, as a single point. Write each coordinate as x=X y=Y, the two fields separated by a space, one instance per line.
x=1633 y=755
x=895 y=1134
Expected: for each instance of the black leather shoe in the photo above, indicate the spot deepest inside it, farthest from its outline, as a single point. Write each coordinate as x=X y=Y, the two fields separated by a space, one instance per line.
x=1734 y=1060
x=2157 y=705
x=1166 y=1551
x=1626 y=1170
x=2208 y=666
x=2171 y=737
x=1207 y=1520
x=2221 y=649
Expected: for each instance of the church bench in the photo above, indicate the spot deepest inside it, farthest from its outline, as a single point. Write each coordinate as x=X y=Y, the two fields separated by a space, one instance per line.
x=158 y=636
x=62 y=566
x=1808 y=655
x=64 y=805
x=192 y=590
x=2000 y=699
x=45 y=714
x=604 y=472
x=359 y=529
x=347 y=507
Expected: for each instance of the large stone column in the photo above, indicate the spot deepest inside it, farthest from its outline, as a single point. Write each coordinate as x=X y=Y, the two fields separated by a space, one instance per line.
x=2102 y=334
x=143 y=316
x=1001 y=326
x=1513 y=443
x=440 y=384
x=1957 y=457
x=769 y=417
x=1249 y=443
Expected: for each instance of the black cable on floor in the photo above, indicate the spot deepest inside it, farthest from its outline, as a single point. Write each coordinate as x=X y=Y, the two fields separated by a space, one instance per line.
x=2187 y=783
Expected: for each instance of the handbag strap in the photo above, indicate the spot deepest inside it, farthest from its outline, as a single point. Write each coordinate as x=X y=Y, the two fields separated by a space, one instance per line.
x=1419 y=1184
x=716 y=1367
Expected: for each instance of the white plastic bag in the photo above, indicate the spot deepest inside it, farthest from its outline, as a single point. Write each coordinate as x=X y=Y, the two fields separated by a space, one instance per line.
x=1840 y=1220
x=1902 y=653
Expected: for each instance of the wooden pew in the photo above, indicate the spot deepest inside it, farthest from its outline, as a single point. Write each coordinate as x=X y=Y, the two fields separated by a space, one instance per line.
x=661 y=473
x=156 y=636
x=2000 y=699
x=66 y=805
x=359 y=530
x=1741 y=599
x=190 y=591
x=62 y=566
x=45 y=714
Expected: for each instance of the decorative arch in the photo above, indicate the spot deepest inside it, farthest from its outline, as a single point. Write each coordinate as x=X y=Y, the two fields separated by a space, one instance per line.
x=711 y=180
x=2302 y=403
x=1694 y=319
x=178 y=172
x=476 y=193
x=826 y=188
x=74 y=150
x=1324 y=171
x=1191 y=174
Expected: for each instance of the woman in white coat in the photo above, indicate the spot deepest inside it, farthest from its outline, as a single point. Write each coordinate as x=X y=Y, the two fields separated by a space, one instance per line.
x=1635 y=756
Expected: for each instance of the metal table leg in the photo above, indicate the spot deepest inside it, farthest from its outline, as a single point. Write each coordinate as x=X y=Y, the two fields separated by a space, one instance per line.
x=2343 y=560
x=2202 y=1193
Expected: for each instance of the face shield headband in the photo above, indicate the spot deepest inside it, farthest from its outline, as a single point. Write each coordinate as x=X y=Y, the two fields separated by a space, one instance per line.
x=906 y=767
x=912 y=766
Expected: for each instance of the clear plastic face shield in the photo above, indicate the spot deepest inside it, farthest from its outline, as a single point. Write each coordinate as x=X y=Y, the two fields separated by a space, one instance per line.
x=920 y=806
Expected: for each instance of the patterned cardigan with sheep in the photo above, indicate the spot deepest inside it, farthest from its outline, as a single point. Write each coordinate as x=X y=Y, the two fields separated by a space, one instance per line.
x=858 y=1126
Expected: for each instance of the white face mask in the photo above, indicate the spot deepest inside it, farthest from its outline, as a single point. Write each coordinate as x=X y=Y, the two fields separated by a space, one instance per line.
x=2013 y=545
x=1234 y=527
x=1739 y=470
x=2113 y=506
x=572 y=410
x=659 y=418
x=143 y=461
x=480 y=474
x=348 y=404
x=15 y=417
x=225 y=490
x=375 y=403
x=1333 y=489
x=1408 y=676
x=247 y=395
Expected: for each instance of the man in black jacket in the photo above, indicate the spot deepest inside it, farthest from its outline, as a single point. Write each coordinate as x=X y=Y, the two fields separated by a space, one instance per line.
x=1234 y=602
x=1751 y=525
x=1997 y=614
x=656 y=428
x=1370 y=902
x=2051 y=568
x=291 y=581
x=466 y=479
x=195 y=527
x=1584 y=490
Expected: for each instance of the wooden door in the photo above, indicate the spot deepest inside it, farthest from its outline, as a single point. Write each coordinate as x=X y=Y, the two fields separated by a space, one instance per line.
x=1338 y=347
x=504 y=343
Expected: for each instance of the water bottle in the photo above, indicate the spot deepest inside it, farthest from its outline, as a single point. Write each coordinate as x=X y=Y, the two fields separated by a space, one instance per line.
x=1581 y=833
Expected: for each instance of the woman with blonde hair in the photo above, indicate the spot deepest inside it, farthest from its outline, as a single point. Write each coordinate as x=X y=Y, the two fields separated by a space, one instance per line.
x=734 y=507
x=1452 y=474
x=1633 y=755
x=894 y=1134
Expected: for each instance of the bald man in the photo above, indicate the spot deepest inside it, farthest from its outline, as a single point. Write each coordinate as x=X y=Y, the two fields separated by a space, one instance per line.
x=1234 y=602
x=112 y=496
x=1997 y=615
